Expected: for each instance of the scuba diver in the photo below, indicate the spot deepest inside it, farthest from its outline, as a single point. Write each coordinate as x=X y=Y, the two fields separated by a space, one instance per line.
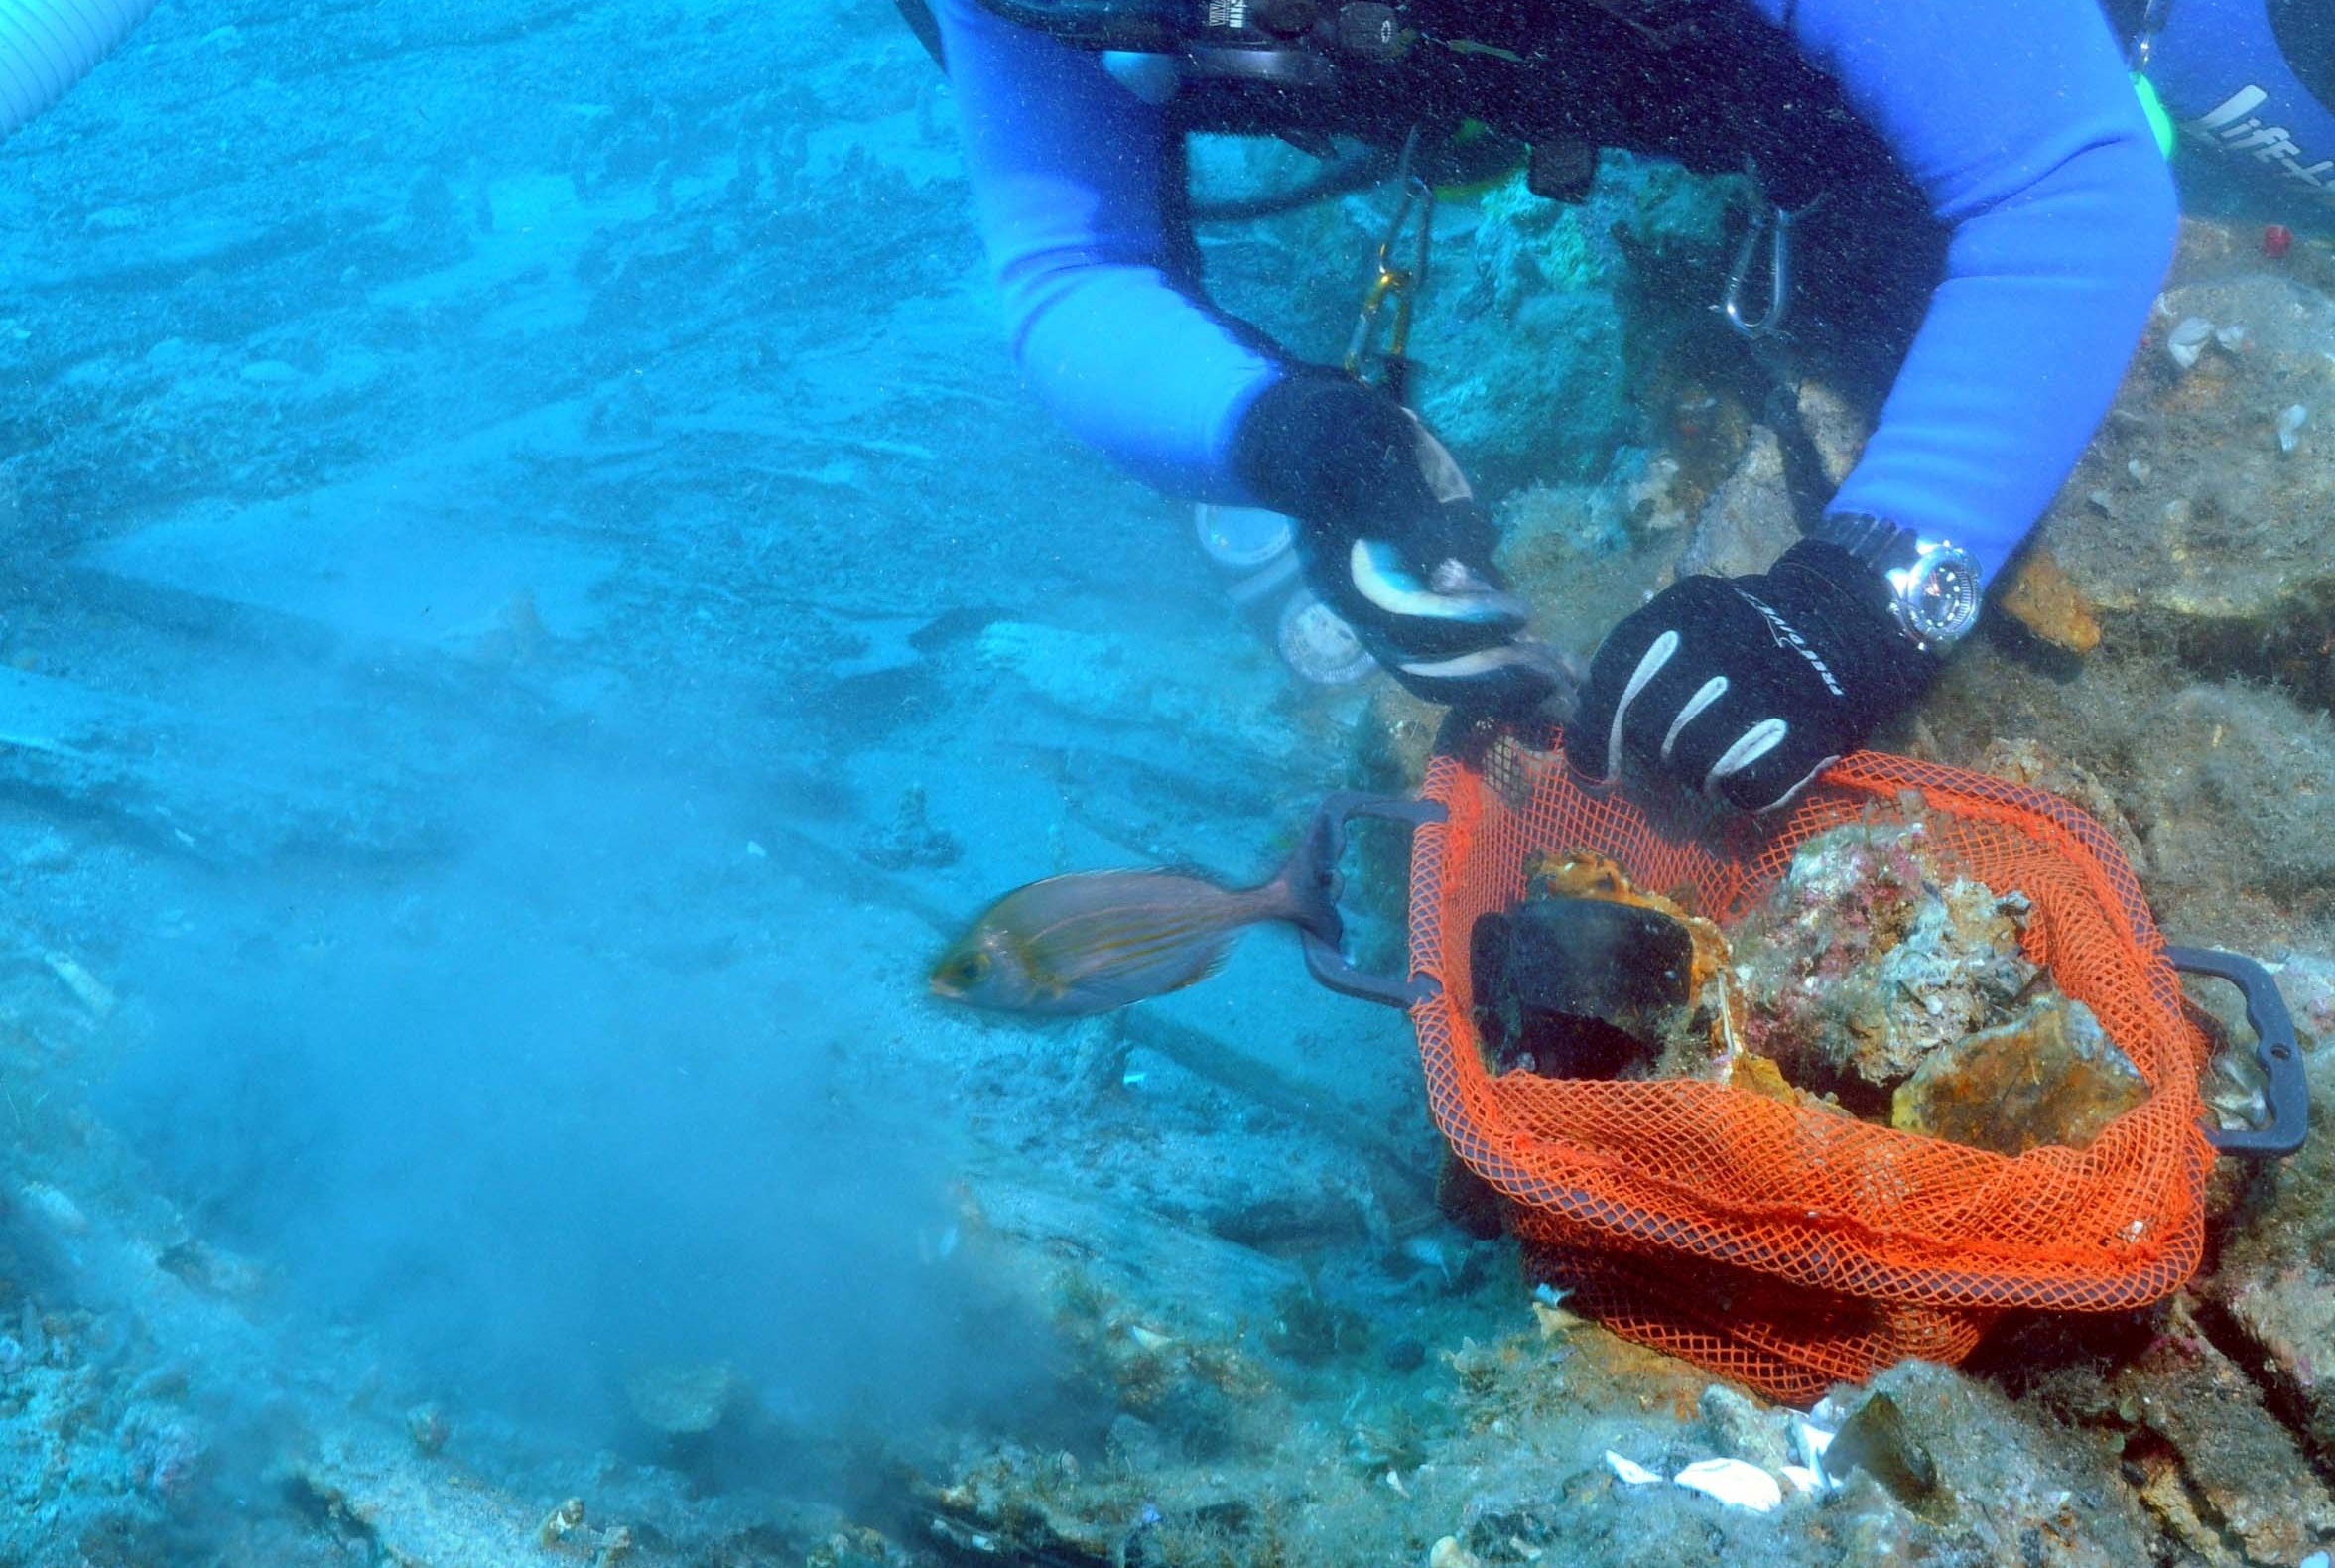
x=2252 y=81
x=1994 y=151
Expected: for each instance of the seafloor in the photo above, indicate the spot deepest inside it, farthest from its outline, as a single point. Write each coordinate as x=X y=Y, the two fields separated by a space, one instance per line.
x=534 y=603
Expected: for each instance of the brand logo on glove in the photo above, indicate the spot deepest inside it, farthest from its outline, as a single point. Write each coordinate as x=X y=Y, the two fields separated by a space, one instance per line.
x=1785 y=637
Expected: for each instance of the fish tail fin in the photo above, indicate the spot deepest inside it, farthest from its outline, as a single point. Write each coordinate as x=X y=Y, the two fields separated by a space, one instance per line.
x=1300 y=892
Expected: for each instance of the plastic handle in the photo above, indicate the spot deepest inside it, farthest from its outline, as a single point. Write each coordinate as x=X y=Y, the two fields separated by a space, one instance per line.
x=1323 y=959
x=2275 y=1047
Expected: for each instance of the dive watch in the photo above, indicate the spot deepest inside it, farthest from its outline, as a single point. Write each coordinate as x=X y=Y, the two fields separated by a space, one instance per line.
x=1934 y=587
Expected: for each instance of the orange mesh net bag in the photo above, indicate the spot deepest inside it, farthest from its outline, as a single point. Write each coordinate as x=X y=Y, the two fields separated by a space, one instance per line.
x=1791 y=1245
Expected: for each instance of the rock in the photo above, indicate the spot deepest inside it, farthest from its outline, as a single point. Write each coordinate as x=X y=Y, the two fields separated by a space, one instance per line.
x=1835 y=427
x=1741 y=1428
x=1749 y=520
x=2026 y=761
x=2216 y=790
x=686 y=1398
x=2040 y=597
x=2239 y=1467
x=911 y=841
x=2306 y=980
x=1870 y=955
x=1584 y=555
x=2001 y=1476
x=54 y=1208
x=2276 y=1282
x=2224 y=555
x=1448 y=1553
x=427 y=1428
x=2215 y=757
x=1653 y=490
x=1135 y=1443
x=2050 y=1076
x=1524 y=374
x=1876 y=1440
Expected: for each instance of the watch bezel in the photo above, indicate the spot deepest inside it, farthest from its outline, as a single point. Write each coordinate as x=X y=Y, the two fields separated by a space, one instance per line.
x=1917 y=604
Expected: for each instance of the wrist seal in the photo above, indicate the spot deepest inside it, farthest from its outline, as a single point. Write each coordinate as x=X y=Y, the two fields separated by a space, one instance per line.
x=1319 y=444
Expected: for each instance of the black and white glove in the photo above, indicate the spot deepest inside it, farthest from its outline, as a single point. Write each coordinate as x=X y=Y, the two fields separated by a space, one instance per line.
x=1393 y=541
x=1746 y=688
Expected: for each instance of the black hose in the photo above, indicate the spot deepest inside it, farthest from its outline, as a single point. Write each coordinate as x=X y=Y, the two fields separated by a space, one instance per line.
x=1354 y=171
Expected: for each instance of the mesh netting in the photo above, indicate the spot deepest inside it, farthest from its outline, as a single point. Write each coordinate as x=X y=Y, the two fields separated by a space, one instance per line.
x=1788 y=1246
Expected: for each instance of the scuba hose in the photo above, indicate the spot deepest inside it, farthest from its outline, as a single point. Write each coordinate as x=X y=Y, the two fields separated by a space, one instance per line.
x=1342 y=174
x=45 y=46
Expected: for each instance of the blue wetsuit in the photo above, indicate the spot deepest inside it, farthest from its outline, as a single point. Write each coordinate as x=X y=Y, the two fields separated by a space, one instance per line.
x=2013 y=118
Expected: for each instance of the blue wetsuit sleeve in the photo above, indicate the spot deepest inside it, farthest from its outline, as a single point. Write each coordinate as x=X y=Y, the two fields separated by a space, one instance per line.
x=1070 y=177
x=2018 y=122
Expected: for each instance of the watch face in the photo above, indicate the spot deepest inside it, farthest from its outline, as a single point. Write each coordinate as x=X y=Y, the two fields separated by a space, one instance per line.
x=1940 y=594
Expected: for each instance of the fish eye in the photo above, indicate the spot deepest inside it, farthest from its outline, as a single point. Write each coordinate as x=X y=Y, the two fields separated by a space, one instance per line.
x=965 y=969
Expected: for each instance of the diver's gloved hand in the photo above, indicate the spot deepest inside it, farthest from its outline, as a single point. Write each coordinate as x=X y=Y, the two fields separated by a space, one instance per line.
x=1746 y=688
x=1393 y=541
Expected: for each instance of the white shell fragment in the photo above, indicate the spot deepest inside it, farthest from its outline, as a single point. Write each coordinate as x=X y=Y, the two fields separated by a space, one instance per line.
x=2187 y=340
x=1735 y=1482
x=1812 y=1440
x=1803 y=1478
x=2291 y=425
x=2231 y=338
x=1633 y=1472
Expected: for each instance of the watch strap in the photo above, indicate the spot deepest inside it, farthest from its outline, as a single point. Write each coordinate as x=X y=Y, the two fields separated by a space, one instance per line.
x=1875 y=541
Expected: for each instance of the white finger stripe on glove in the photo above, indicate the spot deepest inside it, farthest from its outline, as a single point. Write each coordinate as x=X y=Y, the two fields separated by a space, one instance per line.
x=1649 y=666
x=1711 y=690
x=1750 y=746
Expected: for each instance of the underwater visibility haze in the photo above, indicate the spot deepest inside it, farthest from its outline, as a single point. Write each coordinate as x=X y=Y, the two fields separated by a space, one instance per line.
x=587 y=581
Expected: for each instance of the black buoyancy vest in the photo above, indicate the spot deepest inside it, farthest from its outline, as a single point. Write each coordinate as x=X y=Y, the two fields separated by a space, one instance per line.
x=1703 y=81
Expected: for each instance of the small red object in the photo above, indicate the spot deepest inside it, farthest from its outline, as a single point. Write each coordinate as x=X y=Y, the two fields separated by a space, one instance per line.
x=2276 y=240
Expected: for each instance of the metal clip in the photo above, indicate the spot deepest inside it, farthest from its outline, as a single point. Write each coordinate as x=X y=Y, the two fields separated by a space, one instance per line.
x=2140 y=47
x=1401 y=284
x=1773 y=224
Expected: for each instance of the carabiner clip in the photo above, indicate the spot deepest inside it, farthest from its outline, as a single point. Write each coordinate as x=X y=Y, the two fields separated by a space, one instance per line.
x=1401 y=284
x=1774 y=225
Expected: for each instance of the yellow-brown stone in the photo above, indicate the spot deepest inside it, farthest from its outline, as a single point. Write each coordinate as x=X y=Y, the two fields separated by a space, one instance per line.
x=2042 y=598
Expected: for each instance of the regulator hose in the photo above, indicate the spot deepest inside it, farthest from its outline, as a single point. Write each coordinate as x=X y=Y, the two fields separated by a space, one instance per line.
x=45 y=46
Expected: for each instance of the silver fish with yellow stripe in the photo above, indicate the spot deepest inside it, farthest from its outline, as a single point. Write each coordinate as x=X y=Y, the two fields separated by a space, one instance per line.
x=1093 y=941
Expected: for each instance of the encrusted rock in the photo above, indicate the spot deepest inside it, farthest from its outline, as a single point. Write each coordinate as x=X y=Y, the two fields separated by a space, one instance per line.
x=2235 y=1456
x=1999 y=1476
x=2026 y=761
x=1871 y=954
x=2226 y=558
x=2277 y=1278
x=2042 y=598
x=1835 y=426
x=1749 y=521
x=2050 y=1076
x=1741 y=1428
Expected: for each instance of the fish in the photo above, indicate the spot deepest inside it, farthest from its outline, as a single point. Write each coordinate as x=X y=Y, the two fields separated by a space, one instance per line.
x=1093 y=942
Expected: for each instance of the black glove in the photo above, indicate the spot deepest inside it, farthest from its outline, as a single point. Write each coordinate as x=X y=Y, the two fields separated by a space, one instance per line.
x=1392 y=540
x=1746 y=688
